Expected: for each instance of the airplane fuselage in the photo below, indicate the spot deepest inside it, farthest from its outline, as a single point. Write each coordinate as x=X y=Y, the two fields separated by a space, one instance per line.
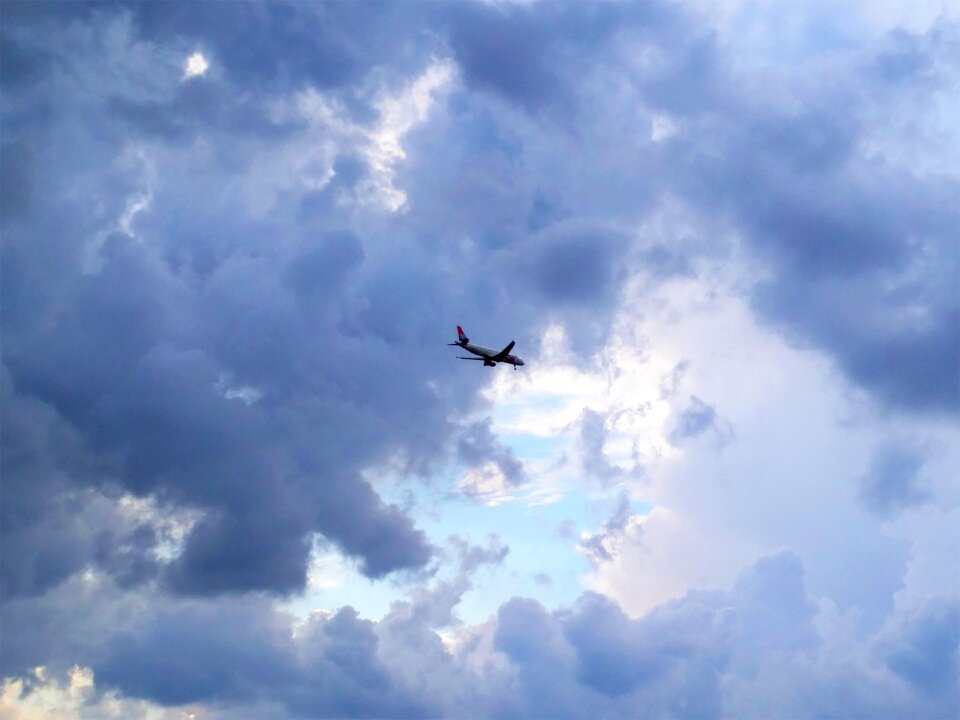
x=489 y=354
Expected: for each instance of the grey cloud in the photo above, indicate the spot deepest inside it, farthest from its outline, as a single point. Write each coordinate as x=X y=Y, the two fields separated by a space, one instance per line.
x=607 y=649
x=319 y=275
x=776 y=615
x=478 y=444
x=534 y=57
x=614 y=528
x=858 y=253
x=525 y=54
x=382 y=535
x=695 y=420
x=591 y=659
x=50 y=528
x=343 y=676
x=922 y=648
x=571 y=266
x=501 y=50
x=348 y=171
x=241 y=651
x=709 y=653
x=473 y=556
x=691 y=79
x=894 y=480
x=593 y=437
x=907 y=56
x=270 y=46
x=663 y=261
x=15 y=179
x=229 y=552
x=331 y=314
x=232 y=649
x=132 y=355
x=910 y=368
x=670 y=384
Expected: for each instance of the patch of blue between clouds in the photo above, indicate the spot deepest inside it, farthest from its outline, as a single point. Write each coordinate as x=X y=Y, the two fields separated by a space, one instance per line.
x=544 y=561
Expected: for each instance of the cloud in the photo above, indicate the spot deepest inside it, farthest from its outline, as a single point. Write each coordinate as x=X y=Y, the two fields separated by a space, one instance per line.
x=922 y=649
x=225 y=298
x=709 y=652
x=593 y=436
x=845 y=240
x=52 y=529
x=76 y=698
x=519 y=53
x=611 y=532
x=486 y=483
x=694 y=421
x=219 y=649
x=478 y=445
x=892 y=482
x=570 y=265
x=149 y=336
x=691 y=655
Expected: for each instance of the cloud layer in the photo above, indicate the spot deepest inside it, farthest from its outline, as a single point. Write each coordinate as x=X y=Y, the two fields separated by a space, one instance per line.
x=236 y=239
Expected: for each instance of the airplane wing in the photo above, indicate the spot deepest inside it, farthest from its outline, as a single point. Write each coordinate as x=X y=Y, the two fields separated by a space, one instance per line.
x=502 y=355
x=460 y=357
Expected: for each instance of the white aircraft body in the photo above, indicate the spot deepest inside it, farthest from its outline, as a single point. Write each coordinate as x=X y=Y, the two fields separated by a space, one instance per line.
x=489 y=356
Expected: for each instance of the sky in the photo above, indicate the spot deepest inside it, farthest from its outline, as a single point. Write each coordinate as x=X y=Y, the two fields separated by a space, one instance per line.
x=244 y=476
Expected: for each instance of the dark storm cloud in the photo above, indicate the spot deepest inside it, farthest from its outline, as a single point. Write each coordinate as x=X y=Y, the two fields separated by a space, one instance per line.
x=49 y=527
x=238 y=650
x=530 y=55
x=503 y=49
x=241 y=651
x=200 y=356
x=344 y=675
x=249 y=363
x=832 y=258
x=323 y=270
x=571 y=265
x=565 y=274
x=848 y=282
x=230 y=649
x=270 y=46
x=863 y=254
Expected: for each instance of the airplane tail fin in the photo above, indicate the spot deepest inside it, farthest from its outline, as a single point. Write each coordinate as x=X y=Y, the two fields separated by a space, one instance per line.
x=461 y=336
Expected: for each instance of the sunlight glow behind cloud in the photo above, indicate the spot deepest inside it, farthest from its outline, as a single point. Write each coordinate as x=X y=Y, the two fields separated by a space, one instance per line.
x=195 y=66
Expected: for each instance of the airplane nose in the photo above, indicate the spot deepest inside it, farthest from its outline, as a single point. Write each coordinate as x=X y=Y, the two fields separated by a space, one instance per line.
x=520 y=362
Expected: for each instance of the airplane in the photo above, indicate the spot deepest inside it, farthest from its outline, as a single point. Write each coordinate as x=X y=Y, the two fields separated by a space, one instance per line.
x=489 y=357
